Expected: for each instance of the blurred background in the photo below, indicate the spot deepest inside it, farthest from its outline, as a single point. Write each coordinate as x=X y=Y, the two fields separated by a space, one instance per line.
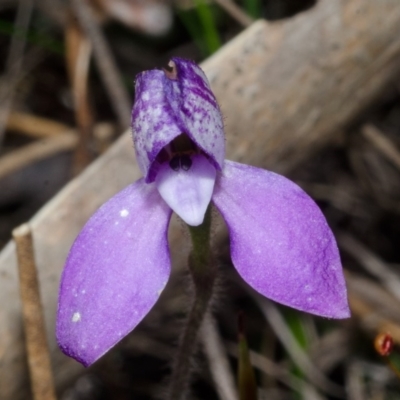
x=66 y=89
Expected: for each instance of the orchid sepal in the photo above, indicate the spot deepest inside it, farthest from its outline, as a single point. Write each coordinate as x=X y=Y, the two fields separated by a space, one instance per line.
x=281 y=244
x=115 y=272
x=165 y=108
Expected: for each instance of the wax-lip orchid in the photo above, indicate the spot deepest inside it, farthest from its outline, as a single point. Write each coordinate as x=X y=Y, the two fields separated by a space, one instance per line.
x=280 y=242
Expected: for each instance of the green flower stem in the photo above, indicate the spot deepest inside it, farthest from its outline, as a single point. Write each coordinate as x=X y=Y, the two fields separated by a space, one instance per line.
x=203 y=271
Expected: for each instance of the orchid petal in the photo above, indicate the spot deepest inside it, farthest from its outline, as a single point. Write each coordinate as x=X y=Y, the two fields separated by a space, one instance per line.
x=153 y=121
x=115 y=272
x=166 y=107
x=280 y=241
x=196 y=106
x=189 y=192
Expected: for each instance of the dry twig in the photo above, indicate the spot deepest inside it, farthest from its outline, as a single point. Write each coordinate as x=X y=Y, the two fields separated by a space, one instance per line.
x=331 y=349
x=271 y=368
x=14 y=62
x=344 y=196
x=373 y=295
x=33 y=126
x=235 y=12
x=35 y=335
x=372 y=320
x=36 y=151
x=119 y=97
x=382 y=143
x=217 y=359
x=286 y=337
x=54 y=9
x=355 y=386
x=372 y=263
x=79 y=52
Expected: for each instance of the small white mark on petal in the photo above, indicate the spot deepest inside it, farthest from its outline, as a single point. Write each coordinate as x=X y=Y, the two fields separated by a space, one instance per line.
x=76 y=317
x=145 y=95
x=124 y=213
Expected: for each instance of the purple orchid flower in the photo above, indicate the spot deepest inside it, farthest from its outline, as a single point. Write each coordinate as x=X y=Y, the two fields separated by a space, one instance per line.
x=281 y=244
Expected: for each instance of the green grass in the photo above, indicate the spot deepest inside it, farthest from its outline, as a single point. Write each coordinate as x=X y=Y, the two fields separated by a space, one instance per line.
x=202 y=27
x=253 y=8
x=32 y=36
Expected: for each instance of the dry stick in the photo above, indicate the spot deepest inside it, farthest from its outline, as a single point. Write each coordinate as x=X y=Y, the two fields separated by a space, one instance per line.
x=383 y=144
x=33 y=126
x=343 y=196
x=35 y=335
x=105 y=61
x=270 y=368
x=79 y=52
x=14 y=62
x=371 y=318
x=36 y=151
x=374 y=295
x=32 y=59
x=14 y=59
x=371 y=262
x=56 y=10
x=309 y=392
x=236 y=12
x=298 y=355
x=331 y=349
x=218 y=360
x=354 y=382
